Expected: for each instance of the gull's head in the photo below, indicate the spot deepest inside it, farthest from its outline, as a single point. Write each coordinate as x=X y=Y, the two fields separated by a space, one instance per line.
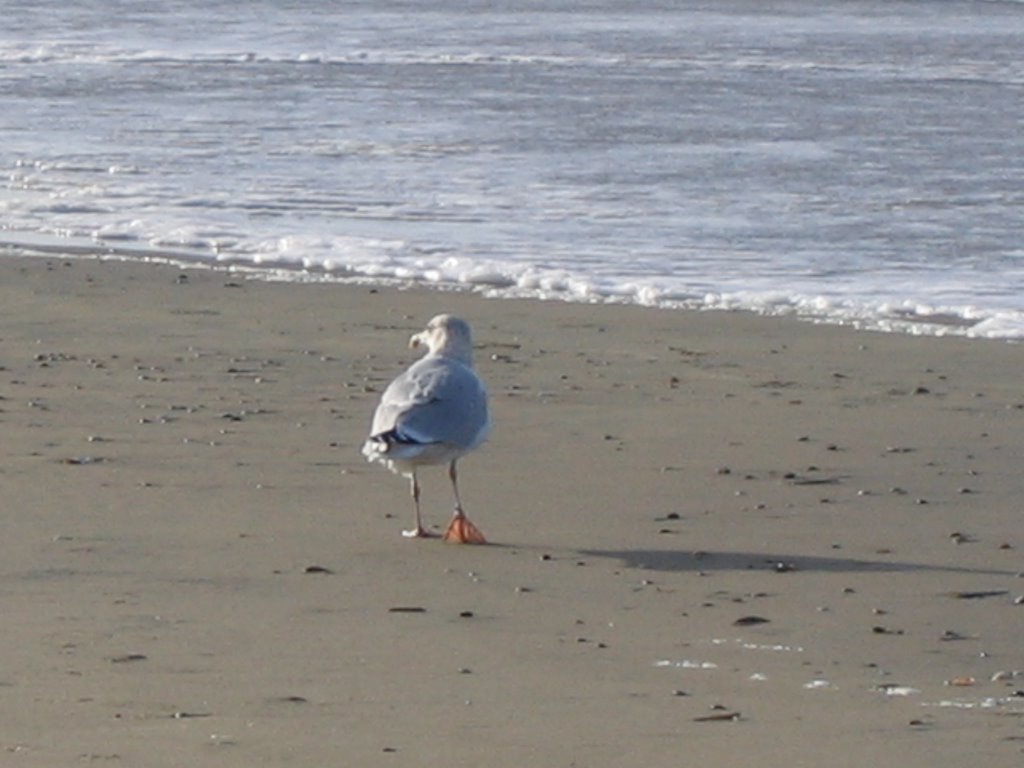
x=448 y=336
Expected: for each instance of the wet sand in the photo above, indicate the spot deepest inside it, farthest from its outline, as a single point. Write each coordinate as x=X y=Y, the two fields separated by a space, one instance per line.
x=718 y=539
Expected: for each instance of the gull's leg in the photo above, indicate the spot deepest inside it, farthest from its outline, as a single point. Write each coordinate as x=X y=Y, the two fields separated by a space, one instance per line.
x=453 y=475
x=419 y=531
x=460 y=529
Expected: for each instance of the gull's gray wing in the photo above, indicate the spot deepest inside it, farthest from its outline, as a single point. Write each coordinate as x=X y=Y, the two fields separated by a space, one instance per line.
x=437 y=400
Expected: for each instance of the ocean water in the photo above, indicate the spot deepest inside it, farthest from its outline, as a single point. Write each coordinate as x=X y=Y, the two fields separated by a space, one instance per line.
x=858 y=162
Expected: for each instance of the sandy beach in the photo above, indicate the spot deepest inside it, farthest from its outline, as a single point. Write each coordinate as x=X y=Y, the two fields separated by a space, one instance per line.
x=717 y=539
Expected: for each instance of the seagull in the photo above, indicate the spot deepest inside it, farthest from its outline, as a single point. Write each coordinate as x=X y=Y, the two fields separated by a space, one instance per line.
x=433 y=413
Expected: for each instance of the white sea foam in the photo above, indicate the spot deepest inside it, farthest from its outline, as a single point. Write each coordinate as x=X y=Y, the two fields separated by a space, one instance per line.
x=1007 y=704
x=685 y=664
x=820 y=684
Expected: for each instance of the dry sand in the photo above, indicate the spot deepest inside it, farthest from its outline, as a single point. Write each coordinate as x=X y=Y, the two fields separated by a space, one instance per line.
x=198 y=567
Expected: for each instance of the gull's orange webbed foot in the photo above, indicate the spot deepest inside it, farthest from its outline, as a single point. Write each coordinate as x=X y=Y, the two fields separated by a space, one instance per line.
x=462 y=531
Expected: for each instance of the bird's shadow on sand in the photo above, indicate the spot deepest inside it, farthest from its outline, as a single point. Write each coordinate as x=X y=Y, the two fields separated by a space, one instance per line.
x=681 y=561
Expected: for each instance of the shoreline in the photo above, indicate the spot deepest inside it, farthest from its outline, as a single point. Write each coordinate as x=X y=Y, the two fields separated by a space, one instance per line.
x=716 y=533
x=905 y=320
